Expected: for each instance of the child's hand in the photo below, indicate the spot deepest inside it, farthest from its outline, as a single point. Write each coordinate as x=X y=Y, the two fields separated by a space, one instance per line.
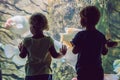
x=23 y=51
x=20 y=46
x=111 y=43
x=63 y=50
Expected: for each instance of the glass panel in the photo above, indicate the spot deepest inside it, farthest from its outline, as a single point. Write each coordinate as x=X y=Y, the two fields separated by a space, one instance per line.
x=64 y=22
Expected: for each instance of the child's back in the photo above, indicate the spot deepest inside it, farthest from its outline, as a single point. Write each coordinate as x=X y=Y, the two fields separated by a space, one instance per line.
x=90 y=44
x=39 y=59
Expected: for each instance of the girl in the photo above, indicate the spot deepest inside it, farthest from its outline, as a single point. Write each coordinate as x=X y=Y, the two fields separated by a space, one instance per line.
x=39 y=49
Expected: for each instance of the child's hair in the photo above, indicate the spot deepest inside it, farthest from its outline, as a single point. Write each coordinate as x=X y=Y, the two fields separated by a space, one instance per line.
x=91 y=14
x=39 y=21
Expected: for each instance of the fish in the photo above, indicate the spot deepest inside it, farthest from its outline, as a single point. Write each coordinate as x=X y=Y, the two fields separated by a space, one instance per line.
x=13 y=52
x=65 y=39
x=10 y=50
x=18 y=25
x=68 y=35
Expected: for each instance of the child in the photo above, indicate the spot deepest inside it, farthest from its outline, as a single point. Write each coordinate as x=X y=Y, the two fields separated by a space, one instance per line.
x=90 y=44
x=39 y=49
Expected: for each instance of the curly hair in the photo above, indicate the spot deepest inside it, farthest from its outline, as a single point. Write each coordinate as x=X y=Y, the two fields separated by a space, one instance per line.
x=39 y=21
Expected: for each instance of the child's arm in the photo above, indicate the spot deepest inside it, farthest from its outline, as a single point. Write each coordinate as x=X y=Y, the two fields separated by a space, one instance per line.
x=111 y=43
x=105 y=49
x=75 y=48
x=55 y=54
x=23 y=51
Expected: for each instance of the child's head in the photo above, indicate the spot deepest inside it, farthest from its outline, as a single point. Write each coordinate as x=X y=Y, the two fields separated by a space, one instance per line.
x=90 y=16
x=38 y=22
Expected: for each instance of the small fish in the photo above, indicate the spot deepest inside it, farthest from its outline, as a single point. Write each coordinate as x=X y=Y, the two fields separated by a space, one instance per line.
x=69 y=35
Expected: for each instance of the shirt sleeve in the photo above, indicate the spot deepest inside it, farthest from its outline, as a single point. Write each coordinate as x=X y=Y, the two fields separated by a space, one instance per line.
x=76 y=39
x=26 y=42
x=51 y=41
x=104 y=40
x=23 y=52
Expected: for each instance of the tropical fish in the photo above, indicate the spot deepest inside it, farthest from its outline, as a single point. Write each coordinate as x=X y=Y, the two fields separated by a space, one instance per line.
x=65 y=39
x=68 y=35
x=18 y=25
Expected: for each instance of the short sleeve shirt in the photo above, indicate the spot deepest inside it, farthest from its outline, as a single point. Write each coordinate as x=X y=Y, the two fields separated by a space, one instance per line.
x=90 y=45
x=39 y=58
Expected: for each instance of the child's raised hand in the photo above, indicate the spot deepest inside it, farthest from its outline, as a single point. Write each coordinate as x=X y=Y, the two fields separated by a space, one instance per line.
x=20 y=46
x=63 y=50
x=111 y=43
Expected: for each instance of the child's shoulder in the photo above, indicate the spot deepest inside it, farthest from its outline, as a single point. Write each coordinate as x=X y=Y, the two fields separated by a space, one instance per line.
x=100 y=33
x=27 y=38
x=49 y=38
x=84 y=32
x=81 y=32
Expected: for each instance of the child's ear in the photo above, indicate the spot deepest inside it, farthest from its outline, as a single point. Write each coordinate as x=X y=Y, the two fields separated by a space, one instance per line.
x=83 y=21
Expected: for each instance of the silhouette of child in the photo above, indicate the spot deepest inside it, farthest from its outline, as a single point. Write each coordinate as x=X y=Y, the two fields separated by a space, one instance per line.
x=90 y=44
x=39 y=50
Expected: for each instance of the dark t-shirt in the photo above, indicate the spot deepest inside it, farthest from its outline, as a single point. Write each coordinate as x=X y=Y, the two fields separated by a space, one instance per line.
x=90 y=44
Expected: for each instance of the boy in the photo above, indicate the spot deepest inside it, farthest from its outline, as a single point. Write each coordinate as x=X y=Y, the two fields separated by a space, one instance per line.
x=89 y=45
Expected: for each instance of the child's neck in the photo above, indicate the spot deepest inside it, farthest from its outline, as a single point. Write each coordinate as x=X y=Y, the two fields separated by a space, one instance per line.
x=91 y=28
x=38 y=35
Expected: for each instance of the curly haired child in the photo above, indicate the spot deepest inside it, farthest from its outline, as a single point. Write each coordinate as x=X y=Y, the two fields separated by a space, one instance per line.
x=39 y=50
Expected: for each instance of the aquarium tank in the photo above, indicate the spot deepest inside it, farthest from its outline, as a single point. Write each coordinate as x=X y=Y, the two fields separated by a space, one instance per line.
x=63 y=20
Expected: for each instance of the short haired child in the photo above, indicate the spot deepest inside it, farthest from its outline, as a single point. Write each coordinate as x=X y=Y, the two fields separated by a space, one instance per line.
x=89 y=44
x=39 y=49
